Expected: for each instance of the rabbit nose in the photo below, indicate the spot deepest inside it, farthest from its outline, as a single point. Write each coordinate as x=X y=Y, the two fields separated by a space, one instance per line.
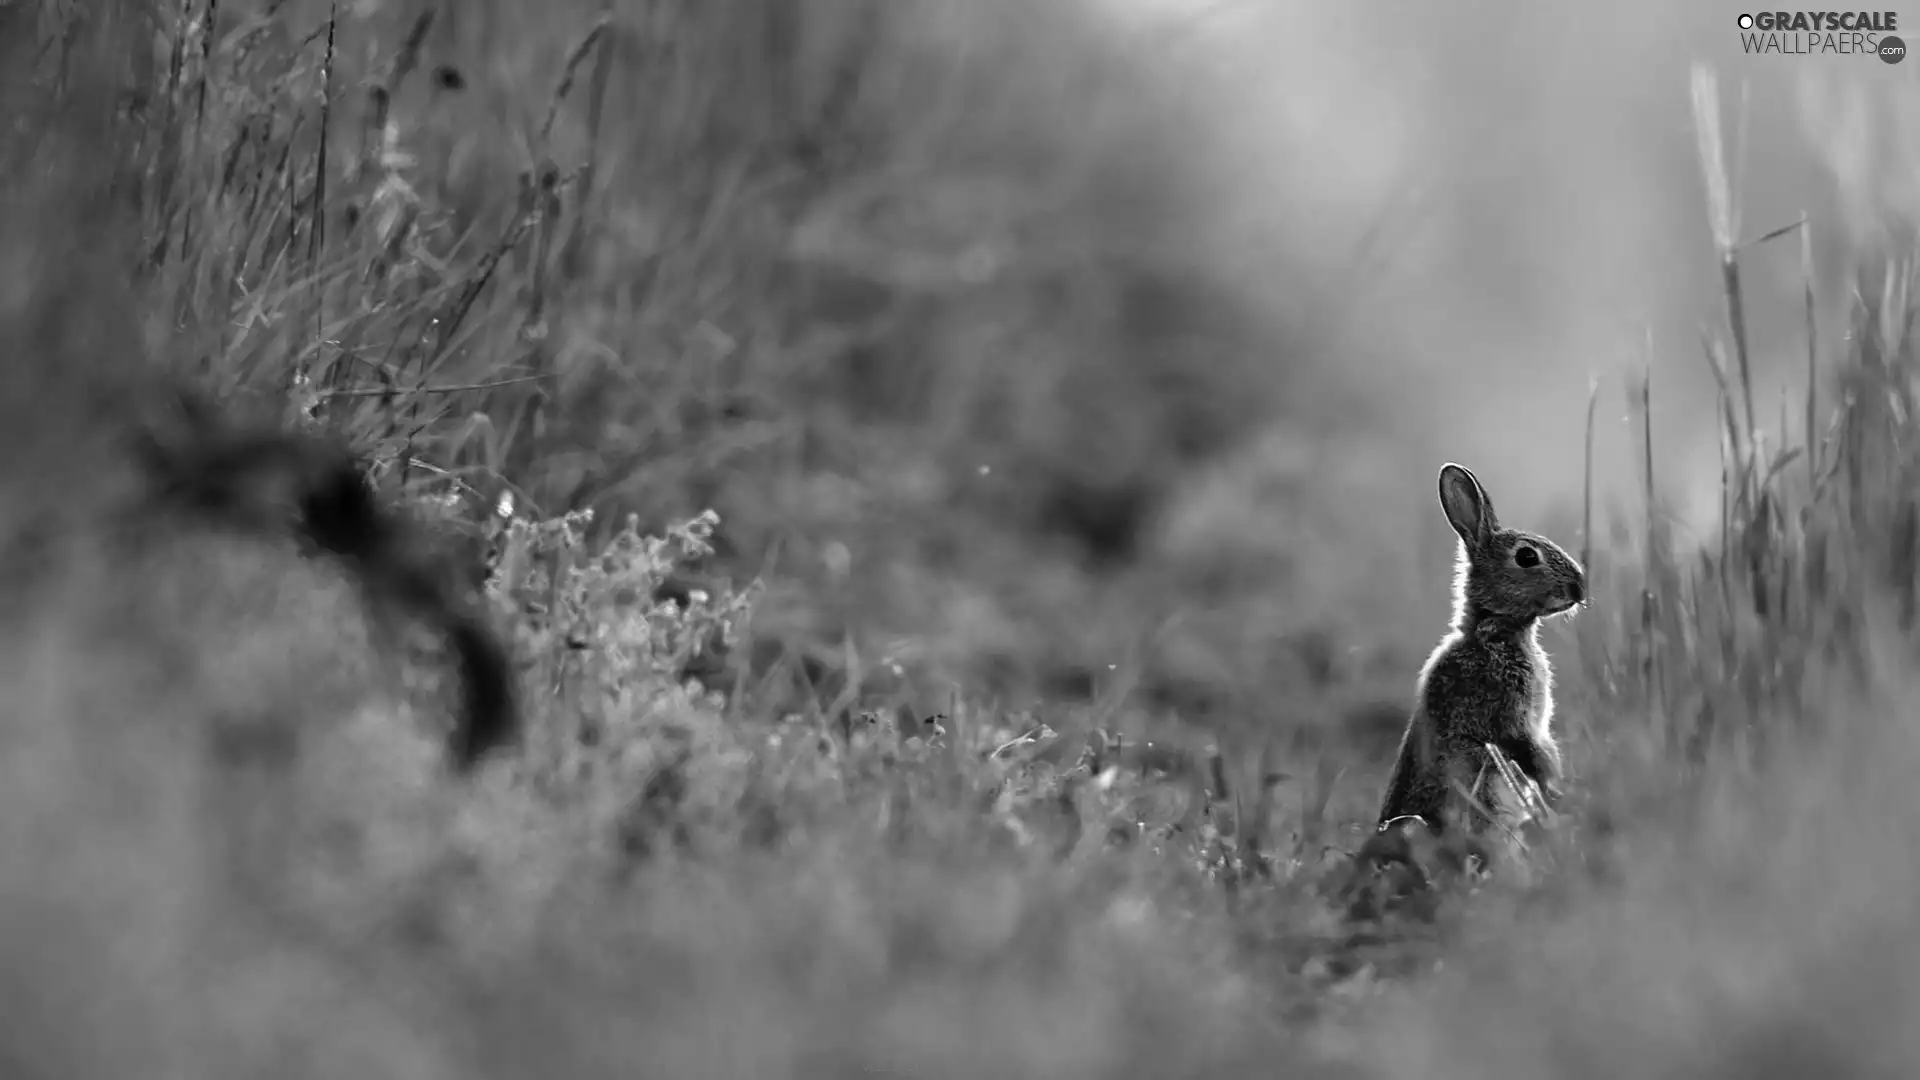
x=1574 y=592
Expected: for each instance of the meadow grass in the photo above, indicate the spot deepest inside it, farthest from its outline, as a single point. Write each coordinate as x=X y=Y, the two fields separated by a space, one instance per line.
x=794 y=864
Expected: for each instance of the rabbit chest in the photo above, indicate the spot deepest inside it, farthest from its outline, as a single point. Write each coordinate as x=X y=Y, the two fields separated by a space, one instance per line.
x=1489 y=688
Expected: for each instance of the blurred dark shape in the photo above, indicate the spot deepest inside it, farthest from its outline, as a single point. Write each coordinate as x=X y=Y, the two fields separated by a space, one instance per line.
x=271 y=482
x=1104 y=520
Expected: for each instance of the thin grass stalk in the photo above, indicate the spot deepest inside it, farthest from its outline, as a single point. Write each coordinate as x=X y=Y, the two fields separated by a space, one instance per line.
x=1647 y=661
x=1586 y=486
x=207 y=33
x=1723 y=217
x=569 y=72
x=1716 y=358
x=1725 y=444
x=316 y=241
x=1253 y=830
x=1813 y=356
x=194 y=131
x=381 y=94
x=1782 y=577
x=1737 y=324
x=551 y=220
x=571 y=253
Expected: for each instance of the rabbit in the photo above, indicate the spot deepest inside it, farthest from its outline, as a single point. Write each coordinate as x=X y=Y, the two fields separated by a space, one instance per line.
x=1488 y=681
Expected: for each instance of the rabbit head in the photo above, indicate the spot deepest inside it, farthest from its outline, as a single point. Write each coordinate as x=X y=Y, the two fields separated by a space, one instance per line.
x=1504 y=573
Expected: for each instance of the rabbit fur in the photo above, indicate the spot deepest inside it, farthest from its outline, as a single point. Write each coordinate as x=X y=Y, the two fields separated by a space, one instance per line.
x=1488 y=681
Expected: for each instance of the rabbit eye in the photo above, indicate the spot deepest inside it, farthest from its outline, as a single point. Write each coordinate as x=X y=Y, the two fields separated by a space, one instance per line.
x=1525 y=557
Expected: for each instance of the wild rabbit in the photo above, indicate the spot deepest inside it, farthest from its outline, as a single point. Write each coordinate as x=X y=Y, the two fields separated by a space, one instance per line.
x=1488 y=683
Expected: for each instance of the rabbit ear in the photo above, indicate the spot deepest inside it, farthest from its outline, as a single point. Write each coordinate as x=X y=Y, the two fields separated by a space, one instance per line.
x=1468 y=509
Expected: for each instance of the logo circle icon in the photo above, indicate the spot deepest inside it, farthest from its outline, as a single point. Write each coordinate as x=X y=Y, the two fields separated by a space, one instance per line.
x=1892 y=49
x=1745 y=21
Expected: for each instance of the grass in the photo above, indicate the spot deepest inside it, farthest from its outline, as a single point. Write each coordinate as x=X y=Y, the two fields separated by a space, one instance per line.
x=840 y=850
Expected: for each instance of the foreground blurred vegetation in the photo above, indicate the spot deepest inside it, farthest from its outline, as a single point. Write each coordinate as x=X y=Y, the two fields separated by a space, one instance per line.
x=994 y=722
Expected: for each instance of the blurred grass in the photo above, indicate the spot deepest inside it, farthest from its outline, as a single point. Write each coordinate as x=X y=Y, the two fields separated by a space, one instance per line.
x=920 y=297
x=923 y=307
